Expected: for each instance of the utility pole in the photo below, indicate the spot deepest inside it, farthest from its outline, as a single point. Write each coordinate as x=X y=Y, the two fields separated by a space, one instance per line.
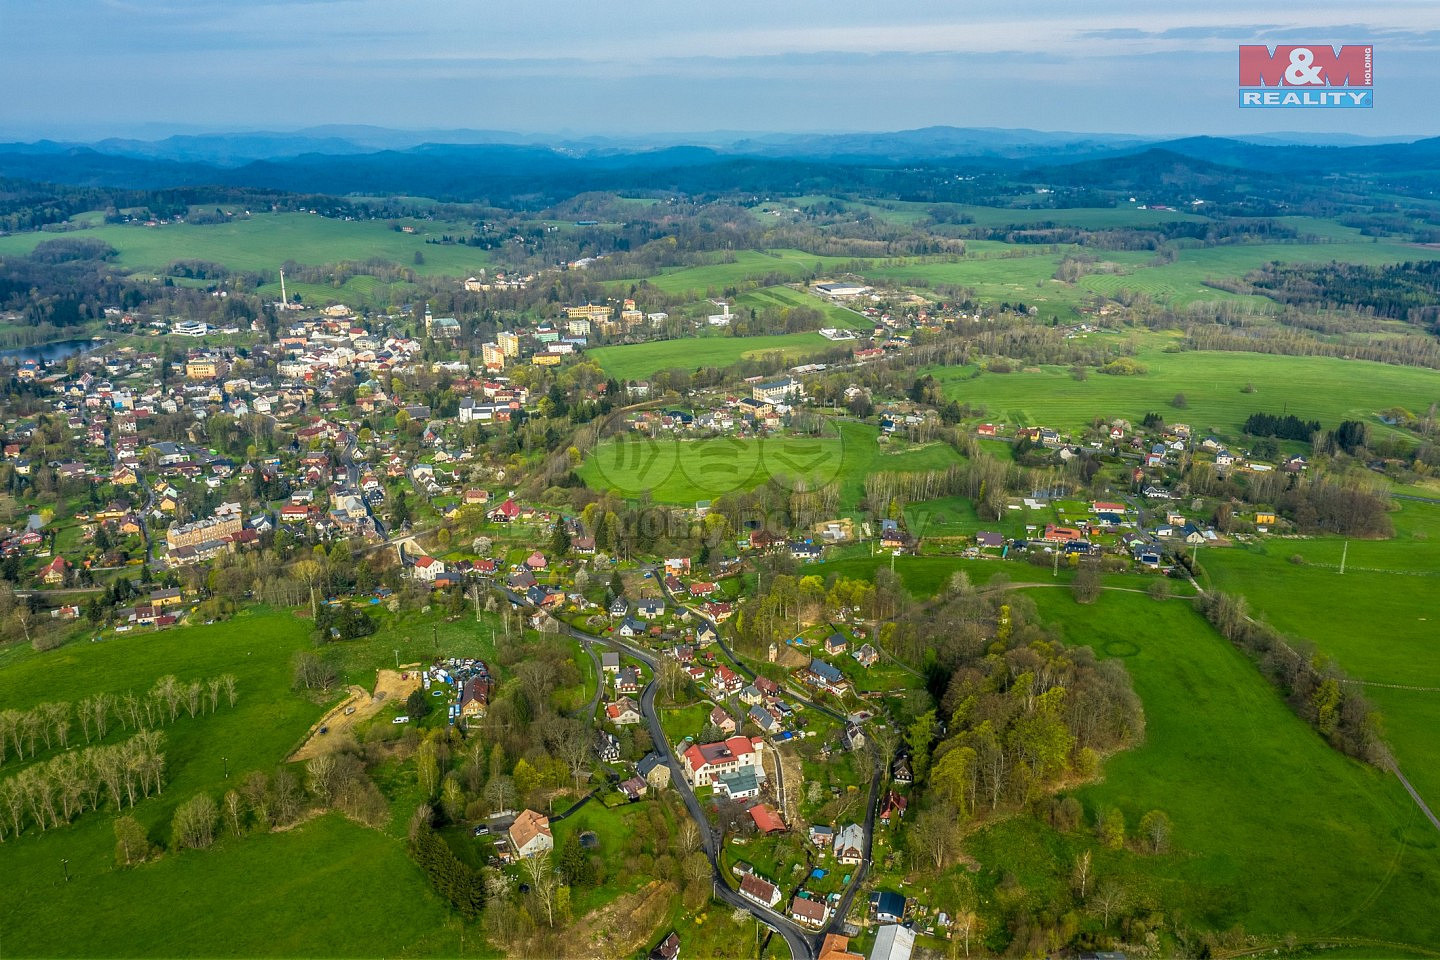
x=1056 y=571
x=1343 y=554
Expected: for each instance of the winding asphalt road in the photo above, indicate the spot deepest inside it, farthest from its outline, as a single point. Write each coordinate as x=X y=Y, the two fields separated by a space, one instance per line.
x=837 y=917
x=803 y=943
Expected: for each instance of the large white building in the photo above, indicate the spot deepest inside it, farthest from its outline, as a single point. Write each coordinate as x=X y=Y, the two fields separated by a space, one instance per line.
x=703 y=763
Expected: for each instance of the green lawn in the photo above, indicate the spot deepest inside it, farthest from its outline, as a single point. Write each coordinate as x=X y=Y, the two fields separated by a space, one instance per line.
x=1319 y=388
x=1272 y=828
x=266 y=240
x=681 y=722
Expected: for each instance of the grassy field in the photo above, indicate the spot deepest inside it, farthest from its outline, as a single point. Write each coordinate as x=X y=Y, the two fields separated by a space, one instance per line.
x=780 y=297
x=747 y=265
x=1272 y=829
x=357 y=292
x=683 y=471
x=266 y=240
x=638 y=361
x=1378 y=620
x=328 y=887
x=1319 y=388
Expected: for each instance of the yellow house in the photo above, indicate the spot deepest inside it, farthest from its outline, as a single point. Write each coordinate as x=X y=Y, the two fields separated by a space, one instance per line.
x=202 y=368
x=1263 y=519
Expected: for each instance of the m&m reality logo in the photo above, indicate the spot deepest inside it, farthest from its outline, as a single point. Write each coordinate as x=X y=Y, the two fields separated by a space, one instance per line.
x=1313 y=75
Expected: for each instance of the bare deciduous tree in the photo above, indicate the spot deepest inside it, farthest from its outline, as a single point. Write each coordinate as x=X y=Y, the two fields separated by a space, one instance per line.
x=1081 y=874
x=235 y=811
x=543 y=883
x=1110 y=896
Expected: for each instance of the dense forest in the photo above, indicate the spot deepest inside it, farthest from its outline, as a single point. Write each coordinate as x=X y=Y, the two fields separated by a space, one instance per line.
x=1407 y=291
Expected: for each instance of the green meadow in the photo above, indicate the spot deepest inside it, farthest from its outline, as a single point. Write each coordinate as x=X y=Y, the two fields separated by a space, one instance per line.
x=1273 y=831
x=742 y=266
x=682 y=471
x=264 y=241
x=780 y=297
x=327 y=887
x=1320 y=388
x=1378 y=621
x=639 y=361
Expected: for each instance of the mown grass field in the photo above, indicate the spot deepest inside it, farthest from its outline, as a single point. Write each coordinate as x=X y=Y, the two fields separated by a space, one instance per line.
x=1319 y=388
x=265 y=241
x=325 y=888
x=1378 y=621
x=1273 y=830
x=683 y=471
x=638 y=361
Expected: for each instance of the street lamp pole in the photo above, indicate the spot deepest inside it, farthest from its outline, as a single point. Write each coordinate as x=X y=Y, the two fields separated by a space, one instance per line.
x=65 y=864
x=226 y=762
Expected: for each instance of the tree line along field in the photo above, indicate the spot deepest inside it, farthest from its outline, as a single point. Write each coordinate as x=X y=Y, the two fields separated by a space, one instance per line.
x=1327 y=389
x=1273 y=830
x=683 y=471
x=264 y=241
x=1378 y=621
x=324 y=887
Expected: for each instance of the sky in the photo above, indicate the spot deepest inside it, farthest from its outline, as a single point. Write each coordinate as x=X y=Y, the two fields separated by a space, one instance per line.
x=82 y=69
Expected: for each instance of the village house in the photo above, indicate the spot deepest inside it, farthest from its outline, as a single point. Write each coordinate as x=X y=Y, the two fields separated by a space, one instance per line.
x=811 y=913
x=530 y=834
x=849 y=846
x=623 y=712
x=720 y=718
x=760 y=891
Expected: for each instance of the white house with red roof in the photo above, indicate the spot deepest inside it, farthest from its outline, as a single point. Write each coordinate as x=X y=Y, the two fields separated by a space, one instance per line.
x=703 y=762
x=427 y=568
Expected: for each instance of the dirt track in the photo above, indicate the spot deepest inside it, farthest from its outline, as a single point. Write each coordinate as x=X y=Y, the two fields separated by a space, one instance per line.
x=388 y=688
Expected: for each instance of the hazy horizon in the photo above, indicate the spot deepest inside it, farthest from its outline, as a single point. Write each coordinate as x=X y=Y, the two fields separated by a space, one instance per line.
x=90 y=69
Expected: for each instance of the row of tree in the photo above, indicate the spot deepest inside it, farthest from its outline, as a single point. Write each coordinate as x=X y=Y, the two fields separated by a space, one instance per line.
x=23 y=730
x=58 y=790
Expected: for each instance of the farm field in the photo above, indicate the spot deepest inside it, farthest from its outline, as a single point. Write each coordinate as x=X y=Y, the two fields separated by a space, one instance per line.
x=782 y=296
x=1320 y=388
x=266 y=240
x=639 y=361
x=683 y=471
x=1272 y=828
x=1378 y=621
